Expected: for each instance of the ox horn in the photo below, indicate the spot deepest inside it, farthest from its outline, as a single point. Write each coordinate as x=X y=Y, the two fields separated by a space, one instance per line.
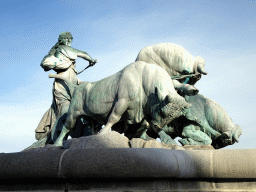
x=199 y=64
x=200 y=69
x=237 y=133
x=235 y=138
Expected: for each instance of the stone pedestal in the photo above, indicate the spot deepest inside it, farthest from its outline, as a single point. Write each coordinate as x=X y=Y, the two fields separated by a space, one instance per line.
x=127 y=169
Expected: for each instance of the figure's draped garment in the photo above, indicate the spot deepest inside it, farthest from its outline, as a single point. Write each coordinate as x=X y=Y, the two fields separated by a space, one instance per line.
x=64 y=65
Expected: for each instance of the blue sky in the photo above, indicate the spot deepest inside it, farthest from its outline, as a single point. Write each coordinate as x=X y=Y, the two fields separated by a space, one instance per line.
x=222 y=32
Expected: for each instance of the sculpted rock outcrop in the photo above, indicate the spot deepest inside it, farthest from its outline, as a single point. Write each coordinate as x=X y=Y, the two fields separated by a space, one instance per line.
x=139 y=91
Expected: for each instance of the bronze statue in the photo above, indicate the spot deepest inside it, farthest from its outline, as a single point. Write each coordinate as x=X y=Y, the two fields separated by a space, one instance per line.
x=156 y=93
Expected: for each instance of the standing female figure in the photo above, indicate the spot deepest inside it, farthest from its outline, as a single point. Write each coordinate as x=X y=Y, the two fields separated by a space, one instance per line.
x=61 y=58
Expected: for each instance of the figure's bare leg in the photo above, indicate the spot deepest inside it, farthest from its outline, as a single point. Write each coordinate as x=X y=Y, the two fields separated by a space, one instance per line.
x=118 y=110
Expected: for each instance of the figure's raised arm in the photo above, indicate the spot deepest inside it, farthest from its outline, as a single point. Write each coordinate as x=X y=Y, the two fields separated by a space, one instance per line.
x=74 y=53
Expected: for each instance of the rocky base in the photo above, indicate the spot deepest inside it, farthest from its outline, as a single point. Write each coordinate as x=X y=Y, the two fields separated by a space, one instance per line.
x=116 y=140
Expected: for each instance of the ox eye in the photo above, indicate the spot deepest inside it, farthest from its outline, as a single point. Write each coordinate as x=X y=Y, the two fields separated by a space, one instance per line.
x=185 y=72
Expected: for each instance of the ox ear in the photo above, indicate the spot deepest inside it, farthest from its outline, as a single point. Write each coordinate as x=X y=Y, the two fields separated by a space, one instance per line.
x=168 y=99
x=200 y=69
x=172 y=98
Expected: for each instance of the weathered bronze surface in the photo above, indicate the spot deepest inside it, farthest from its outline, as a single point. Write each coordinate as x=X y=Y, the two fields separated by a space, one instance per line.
x=153 y=97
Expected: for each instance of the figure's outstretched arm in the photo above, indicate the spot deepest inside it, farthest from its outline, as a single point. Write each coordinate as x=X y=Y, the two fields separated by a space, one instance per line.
x=74 y=53
x=85 y=56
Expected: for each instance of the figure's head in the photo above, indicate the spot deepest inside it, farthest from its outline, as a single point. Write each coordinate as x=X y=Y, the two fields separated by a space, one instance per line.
x=65 y=38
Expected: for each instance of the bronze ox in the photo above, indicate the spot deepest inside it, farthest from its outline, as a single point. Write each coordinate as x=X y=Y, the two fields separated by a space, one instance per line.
x=206 y=123
x=139 y=92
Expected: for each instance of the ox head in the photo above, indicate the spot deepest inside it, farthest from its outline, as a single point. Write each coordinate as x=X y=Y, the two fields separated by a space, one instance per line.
x=175 y=60
x=228 y=137
x=198 y=70
x=236 y=133
x=175 y=106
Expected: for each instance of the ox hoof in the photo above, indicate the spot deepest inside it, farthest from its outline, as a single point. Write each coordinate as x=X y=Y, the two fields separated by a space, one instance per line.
x=167 y=140
x=184 y=142
x=145 y=137
x=57 y=144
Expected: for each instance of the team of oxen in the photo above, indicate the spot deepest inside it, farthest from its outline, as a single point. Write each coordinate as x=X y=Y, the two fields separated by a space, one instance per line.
x=152 y=97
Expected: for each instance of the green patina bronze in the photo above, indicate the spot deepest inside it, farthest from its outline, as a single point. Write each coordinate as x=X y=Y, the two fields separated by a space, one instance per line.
x=153 y=97
x=61 y=58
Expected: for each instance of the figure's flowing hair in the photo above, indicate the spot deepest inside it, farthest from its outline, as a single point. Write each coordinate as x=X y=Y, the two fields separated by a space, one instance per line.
x=50 y=53
x=53 y=49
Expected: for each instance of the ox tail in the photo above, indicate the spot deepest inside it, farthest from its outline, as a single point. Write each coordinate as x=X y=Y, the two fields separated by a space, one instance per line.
x=70 y=85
